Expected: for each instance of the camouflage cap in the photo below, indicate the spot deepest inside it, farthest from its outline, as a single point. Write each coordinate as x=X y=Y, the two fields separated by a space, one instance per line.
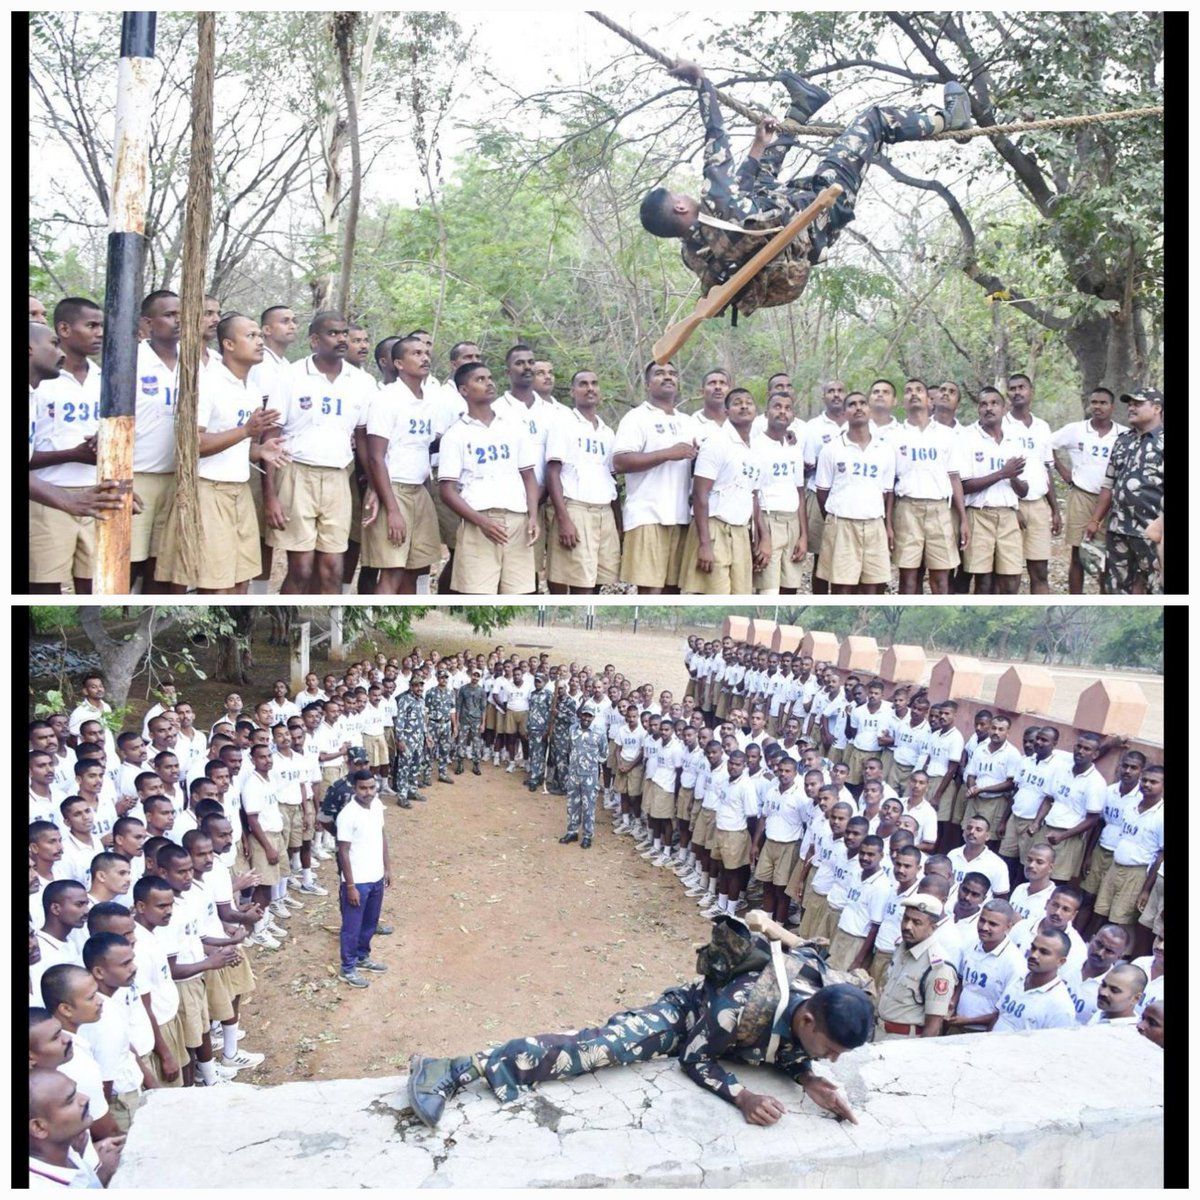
x=1151 y=395
x=356 y=754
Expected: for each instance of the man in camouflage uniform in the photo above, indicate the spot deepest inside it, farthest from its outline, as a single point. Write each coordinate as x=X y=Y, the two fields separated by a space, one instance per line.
x=439 y=708
x=565 y=721
x=470 y=703
x=1133 y=489
x=589 y=748
x=698 y=1024
x=412 y=740
x=736 y=214
x=537 y=729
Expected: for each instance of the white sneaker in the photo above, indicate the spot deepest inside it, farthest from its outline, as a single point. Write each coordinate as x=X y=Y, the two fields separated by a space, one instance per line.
x=512 y=766
x=696 y=892
x=263 y=939
x=241 y=1060
x=684 y=868
x=291 y=900
x=314 y=889
x=650 y=853
x=219 y=1081
x=280 y=910
x=321 y=854
x=663 y=860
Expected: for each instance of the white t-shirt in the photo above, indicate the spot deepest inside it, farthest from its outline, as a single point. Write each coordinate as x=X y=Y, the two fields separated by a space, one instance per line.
x=85 y=712
x=986 y=975
x=925 y=816
x=225 y=403
x=1115 y=804
x=538 y=418
x=668 y=759
x=856 y=477
x=1030 y=905
x=925 y=460
x=68 y=411
x=982 y=455
x=909 y=741
x=782 y=471
x=83 y=1068
x=1075 y=796
x=411 y=424
x=990 y=768
x=1088 y=452
x=845 y=870
x=1022 y=935
x=659 y=496
x=818 y=433
x=888 y=936
x=487 y=460
x=109 y=1039
x=1083 y=991
x=154 y=973
x=736 y=474
x=291 y=772
x=865 y=903
x=320 y=415
x=260 y=798
x=363 y=829
x=1046 y=1007
x=988 y=863
x=737 y=800
x=869 y=725
x=1141 y=836
x=630 y=742
x=1033 y=779
x=516 y=695
x=157 y=392
x=1036 y=442
x=944 y=746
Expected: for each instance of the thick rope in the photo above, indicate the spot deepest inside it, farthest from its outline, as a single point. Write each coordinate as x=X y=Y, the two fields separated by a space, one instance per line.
x=788 y=126
x=196 y=224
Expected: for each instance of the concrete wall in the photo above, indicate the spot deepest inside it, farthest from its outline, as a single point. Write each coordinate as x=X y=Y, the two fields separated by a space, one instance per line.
x=1056 y=1109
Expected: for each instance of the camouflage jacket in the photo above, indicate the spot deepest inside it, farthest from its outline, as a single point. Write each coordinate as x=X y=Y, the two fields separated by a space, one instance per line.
x=589 y=747
x=439 y=705
x=568 y=706
x=714 y=254
x=471 y=702
x=1135 y=475
x=410 y=720
x=539 y=711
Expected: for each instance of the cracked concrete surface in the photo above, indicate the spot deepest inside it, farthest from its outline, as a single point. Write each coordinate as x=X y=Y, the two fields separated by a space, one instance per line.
x=967 y=1110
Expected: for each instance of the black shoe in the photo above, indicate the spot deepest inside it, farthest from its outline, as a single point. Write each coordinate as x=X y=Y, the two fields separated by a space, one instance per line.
x=475 y=769
x=445 y=779
x=956 y=108
x=458 y=766
x=384 y=931
x=568 y=837
x=404 y=802
x=557 y=791
x=586 y=844
x=418 y=796
x=531 y=785
x=430 y=1085
x=807 y=97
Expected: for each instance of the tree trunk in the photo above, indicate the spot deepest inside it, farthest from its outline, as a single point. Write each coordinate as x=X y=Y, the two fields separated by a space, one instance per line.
x=344 y=25
x=234 y=657
x=119 y=657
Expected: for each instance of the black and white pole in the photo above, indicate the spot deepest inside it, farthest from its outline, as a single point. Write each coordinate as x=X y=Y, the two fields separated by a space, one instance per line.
x=136 y=73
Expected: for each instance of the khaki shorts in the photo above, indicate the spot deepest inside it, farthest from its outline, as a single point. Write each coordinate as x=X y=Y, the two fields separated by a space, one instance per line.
x=776 y=861
x=596 y=558
x=517 y=722
x=924 y=532
x=1117 y=898
x=377 y=749
x=683 y=803
x=422 y=545
x=268 y=873
x=240 y=977
x=293 y=825
x=123 y=1106
x=897 y=774
x=1152 y=914
x=317 y=506
x=60 y=545
x=260 y=511
x=652 y=554
x=732 y=847
x=724 y=704
x=193 y=1010
x=657 y=802
x=1036 y=534
x=217 y=995
x=611 y=761
x=481 y=568
x=816 y=522
x=355 y=502
x=992 y=809
x=844 y=948
x=732 y=561
x=446 y=518
x=228 y=538
x=172 y=1034
x=880 y=961
x=309 y=828
x=702 y=831
x=995 y=545
x=157 y=494
x=830 y=922
x=332 y=771
x=545 y=517
x=628 y=780
x=784 y=528
x=854 y=552
x=854 y=758
x=1079 y=513
x=1102 y=859
x=1068 y=857
x=490 y=718
x=792 y=888
x=1016 y=842
x=816 y=909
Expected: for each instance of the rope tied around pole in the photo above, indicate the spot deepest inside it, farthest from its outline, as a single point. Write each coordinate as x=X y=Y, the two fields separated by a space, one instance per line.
x=788 y=126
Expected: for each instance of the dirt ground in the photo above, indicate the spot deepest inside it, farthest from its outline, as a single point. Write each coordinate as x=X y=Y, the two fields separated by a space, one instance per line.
x=499 y=930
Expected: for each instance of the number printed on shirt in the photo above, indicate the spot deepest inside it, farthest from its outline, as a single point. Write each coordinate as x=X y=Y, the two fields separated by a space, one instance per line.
x=864 y=470
x=924 y=454
x=331 y=406
x=783 y=470
x=1100 y=451
x=1014 y=1010
x=419 y=426
x=80 y=412
x=592 y=446
x=977 y=978
x=244 y=414
x=492 y=453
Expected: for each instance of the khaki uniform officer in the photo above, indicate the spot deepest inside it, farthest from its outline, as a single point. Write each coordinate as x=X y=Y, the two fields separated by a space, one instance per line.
x=920 y=983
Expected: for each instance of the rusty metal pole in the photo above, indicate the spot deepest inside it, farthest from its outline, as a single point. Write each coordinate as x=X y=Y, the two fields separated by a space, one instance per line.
x=123 y=290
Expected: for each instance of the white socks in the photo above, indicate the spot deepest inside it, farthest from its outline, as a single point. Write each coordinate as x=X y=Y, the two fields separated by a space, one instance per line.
x=208 y=1071
x=229 y=1034
x=307 y=875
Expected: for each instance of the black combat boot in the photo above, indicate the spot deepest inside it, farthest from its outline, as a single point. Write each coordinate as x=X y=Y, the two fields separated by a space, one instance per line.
x=807 y=97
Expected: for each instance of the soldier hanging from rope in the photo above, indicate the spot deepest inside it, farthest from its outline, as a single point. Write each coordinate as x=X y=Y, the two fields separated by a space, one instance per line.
x=726 y=225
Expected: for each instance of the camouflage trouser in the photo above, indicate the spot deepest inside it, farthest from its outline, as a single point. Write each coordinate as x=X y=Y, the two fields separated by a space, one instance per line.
x=1129 y=558
x=628 y=1037
x=560 y=753
x=470 y=742
x=408 y=771
x=537 y=756
x=581 y=801
x=443 y=744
